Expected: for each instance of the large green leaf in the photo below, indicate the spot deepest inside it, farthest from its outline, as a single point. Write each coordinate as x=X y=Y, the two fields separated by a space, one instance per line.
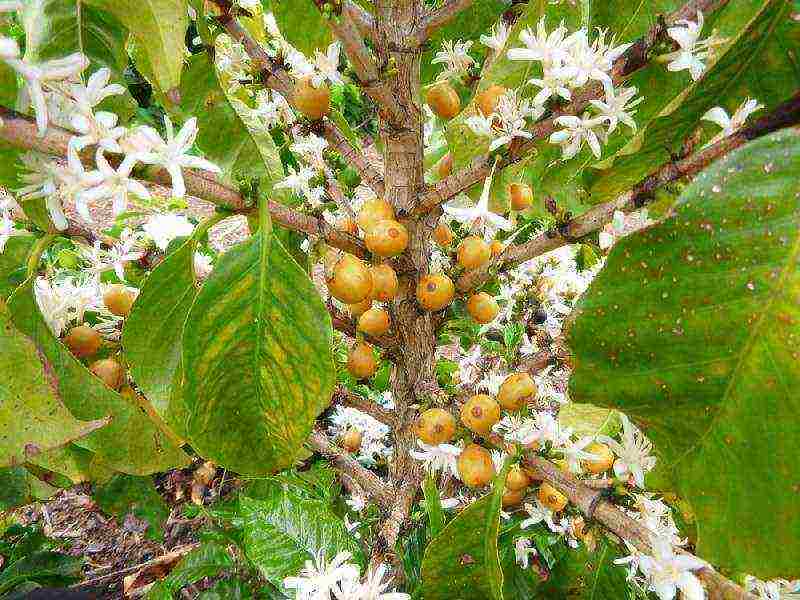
x=759 y=33
x=581 y=574
x=463 y=562
x=131 y=443
x=283 y=529
x=151 y=336
x=56 y=28
x=71 y=461
x=257 y=358
x=33 y=418
x=208 y=560
x=158 y=28
x=19 y=487
x=125 y=494
x=691 y=329
x=301 y=24
x=13 y=263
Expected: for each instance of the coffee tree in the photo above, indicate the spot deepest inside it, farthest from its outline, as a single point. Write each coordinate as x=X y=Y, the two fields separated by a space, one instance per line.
x=430 y=187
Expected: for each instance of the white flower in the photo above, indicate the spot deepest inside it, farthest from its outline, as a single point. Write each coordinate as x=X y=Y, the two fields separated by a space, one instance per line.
x=585 y=61
x=497 y=38
x=65 y=301
x=576 y=131
x=7 y=229
x=311 y=148
x=41 y=180
x=10 y=5
x=373 y=587
x=320 y=579
x=173 y=154
x=162 y=228
x=8 y=49
x=616 y=110
x=299 y=66
x=97 y=89
x=126 y=250
x=299 y=182
x=203 y=265
x=116 y=185
x=657 y=517
x=468 y=364
x=633 y=452
x=374 y=433
x=574 y=453
x=777 y=589
x=551 y=84
x=528 y=345
x=480 y=217
x=38 y=76
x=539 y=513
x=436 y=458
x=327 y=65
x=693 y=51
x=732 y=124
x=523 y=552
x=492 y=382
x=666 y=572
x=356 y=502
x=97 y=129
x=271 y=110
x=510 y=123
x=549 y=49
x=515 y=428
x=480 y=125
x=455 y=57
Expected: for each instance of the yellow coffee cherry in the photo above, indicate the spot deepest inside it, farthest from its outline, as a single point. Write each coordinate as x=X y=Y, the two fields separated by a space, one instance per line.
x=497 y=248
x=373 y=211
x=488 y=99
x=512 y=497
x=375 y=321
x=443 y=235
x=521 y=196
x=443 y=100
x=358 y=309
x=384 y=283
x=361 y=362
x=445 y=166
x=517 y=479
x=119 y=299
x=435 y=426
x=480 y=413
x=109 y=371
x=517 y=390
x=351 y=281
x=552 y=498
x=604 y=461
x=482 y=307
x=347 y=224
x=435 y=292
x=387 y=238
x=313 y=102
x=351 y=440
x=83 y=341
x=473 y=252
x=475 y=466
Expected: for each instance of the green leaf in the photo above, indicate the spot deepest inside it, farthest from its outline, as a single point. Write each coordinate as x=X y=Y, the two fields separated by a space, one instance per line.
x=13 y=263
x=8 y=86
x=151 y=336
x=125 y=494
x=257 y=358
x=301 y=24
x=283 y=529
x=759 y=33
x=56 y=28
x=691 y=330
x=586 y=419
x=131 y=443
x=71 y=461
x=158 y=28
x=45 y=568
x=463 y=560
x=227 y=589
x=32 y=416
x=433 y=506
x=209 y=560
x=18 y=487
x=582 y=574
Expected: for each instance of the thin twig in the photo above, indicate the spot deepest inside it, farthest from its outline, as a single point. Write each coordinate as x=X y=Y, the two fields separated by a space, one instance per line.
x=20 y=131
x=345 y=397
x=439 y=17
x=636 y=57
x=369 y=482
x=592 y=503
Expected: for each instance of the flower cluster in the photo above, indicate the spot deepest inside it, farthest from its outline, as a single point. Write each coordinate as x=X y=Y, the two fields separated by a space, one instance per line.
x=8 y=227
x=321 y=579
x=692 y=53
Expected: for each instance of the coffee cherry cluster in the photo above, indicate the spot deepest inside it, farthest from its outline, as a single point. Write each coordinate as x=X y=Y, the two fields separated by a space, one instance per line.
x=84 y=342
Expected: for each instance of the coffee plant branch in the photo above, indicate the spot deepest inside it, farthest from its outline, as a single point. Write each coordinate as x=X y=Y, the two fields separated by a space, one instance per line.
x=275 y=77
x=592 y=503
x=345 y=397
x=634 y=58
x=437 y=18
x=20 y=131
x=785 y=115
